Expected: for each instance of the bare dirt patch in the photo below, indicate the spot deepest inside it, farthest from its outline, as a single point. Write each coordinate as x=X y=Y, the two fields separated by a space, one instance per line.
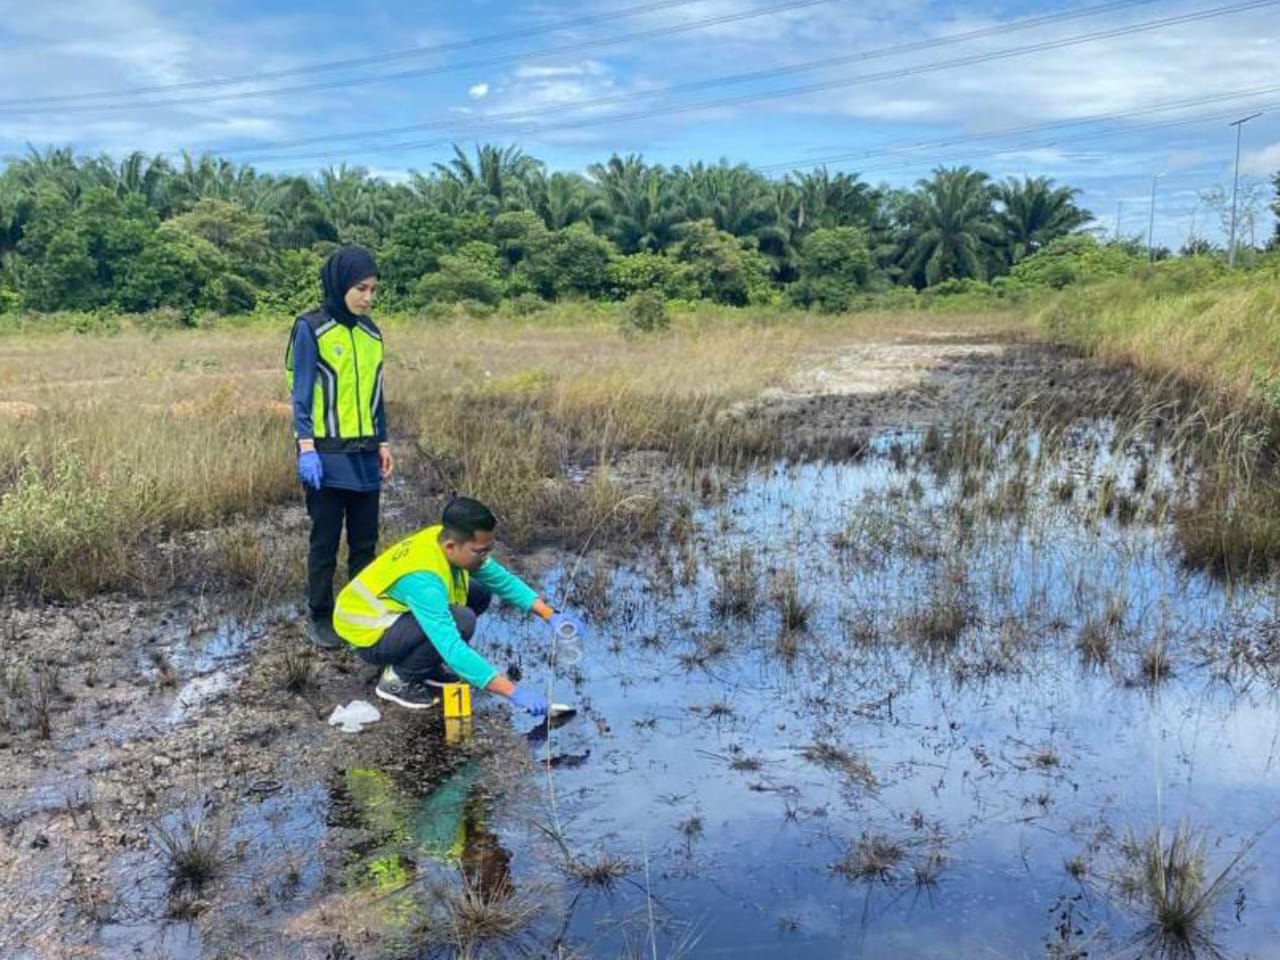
x=831 y=407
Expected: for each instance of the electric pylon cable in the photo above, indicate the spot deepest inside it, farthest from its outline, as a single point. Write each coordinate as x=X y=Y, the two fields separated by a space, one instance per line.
x=749 y=77
x=376 y=59
x=27 y=106
x=489 y=127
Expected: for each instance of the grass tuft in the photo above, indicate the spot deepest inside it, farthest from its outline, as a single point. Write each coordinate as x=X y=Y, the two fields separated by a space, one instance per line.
x=194 y=849
x=871 y=857
x=1167 y=878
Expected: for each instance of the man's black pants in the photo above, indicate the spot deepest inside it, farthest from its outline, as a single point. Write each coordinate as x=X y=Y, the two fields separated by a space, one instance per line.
x=404 y=646
x=328 y=508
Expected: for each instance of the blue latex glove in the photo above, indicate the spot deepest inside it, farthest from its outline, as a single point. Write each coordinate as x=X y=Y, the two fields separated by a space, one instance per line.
x=565 y=626
x=309 y=470
x=530 y=700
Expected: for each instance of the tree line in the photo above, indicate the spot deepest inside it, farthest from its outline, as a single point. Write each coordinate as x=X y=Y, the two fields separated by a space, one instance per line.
x=206 y=234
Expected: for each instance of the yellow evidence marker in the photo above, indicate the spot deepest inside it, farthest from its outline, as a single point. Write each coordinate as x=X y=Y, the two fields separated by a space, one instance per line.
x=456 y=698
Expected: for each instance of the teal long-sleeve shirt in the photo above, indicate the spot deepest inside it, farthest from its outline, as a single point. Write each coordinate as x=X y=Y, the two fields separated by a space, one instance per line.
x=428 y=599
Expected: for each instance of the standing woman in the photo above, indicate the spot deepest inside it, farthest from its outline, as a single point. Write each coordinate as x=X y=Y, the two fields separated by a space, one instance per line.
x=334 y=368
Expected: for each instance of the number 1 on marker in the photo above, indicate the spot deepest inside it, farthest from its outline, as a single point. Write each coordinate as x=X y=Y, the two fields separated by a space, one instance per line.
x=457 y=700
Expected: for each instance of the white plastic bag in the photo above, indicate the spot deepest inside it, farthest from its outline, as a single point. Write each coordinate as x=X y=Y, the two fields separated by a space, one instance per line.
x=354 y=716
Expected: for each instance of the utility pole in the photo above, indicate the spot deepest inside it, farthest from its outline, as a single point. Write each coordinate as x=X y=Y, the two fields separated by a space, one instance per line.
x=1151 y=220
x=1235 y=185
x=1119 y=215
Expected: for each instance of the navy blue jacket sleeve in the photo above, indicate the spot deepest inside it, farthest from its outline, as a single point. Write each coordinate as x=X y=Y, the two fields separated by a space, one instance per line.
x=305 y=355
x=380 y=412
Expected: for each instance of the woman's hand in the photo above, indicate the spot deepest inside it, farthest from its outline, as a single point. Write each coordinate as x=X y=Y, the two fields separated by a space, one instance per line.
x=385 y=462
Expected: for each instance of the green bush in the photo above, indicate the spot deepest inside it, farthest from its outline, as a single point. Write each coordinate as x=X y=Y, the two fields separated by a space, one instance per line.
x=524 y=305
x=835 y=265
x=640 y=271
x=473 y=273
x=714 y=265
x=295 y=288
x=57 y=531
x=1078 y=258
x=572 y=261
x=645 y=312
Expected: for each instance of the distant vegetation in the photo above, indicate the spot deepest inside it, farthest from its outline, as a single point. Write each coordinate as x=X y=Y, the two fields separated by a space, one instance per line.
x=206 y=236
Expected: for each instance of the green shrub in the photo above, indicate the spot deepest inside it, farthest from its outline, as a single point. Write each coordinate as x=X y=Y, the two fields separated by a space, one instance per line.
x=58 y=534
x=524 y=305
x=645 y=312
x=1078 y=258
x=473 y=273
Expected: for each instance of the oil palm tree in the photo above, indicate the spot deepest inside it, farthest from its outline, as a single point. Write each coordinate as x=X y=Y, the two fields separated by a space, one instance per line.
x=736 y=199
x=951 y=227
x=1032 y=212
x=644 y=206
x=833 y=200
x=562 y=199
x=496 y=181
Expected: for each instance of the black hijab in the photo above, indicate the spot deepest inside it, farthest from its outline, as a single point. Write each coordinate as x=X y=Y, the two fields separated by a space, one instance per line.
x=345 y=267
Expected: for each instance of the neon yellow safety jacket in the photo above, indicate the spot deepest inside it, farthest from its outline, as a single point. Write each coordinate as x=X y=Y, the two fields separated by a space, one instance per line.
x=348 y=385
x=365 y=609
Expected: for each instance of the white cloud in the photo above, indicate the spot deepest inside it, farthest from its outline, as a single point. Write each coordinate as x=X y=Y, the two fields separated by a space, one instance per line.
x=1261 y=163
x=61 y=49
x=589 y=68
x=478 y=91
x=558 y=103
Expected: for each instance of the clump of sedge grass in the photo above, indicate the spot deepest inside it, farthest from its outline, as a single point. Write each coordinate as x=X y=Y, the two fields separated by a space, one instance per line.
x=603 y=871
x=1167 y=878
x=835 y=758
x=40 y=697
x=871 y=857
x=793 y=609
x=473 y=918
x=941 y=621
x=928 y=869
x=194 y=849
x=1156 y=666
x=1094 y=642
x=735 y=592
x=296 y=670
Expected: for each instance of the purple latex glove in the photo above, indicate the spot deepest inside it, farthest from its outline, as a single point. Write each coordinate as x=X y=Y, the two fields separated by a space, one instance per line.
x=309 y=470
x=530 y=700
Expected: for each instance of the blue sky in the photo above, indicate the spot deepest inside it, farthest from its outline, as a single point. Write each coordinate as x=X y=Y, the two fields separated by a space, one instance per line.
x=569 y=82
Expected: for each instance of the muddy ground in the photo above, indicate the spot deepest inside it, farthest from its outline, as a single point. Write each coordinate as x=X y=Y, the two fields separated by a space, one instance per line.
x=121 y=718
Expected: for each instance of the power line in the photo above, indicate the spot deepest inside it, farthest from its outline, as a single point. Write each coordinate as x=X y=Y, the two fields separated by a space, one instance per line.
x=365 y=61
x=692 y=25
x=711 y=82
x=975 y=59
x=1018 y=131
x=1100 y=135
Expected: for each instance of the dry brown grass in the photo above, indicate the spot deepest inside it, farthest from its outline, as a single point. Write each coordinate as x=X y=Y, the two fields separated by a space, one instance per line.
x=166 y=432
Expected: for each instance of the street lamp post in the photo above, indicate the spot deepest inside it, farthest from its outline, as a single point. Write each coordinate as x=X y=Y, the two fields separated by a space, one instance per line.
x=1235 y=186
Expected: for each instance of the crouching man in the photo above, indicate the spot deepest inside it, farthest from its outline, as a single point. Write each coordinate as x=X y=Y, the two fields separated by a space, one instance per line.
x=413 y=611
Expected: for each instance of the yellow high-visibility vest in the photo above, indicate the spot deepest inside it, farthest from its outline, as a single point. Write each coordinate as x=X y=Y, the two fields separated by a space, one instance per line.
x=348 y=382
x=364 y=610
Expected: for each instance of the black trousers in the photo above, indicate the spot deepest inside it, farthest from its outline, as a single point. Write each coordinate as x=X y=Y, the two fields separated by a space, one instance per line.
x=329 y=509
x=404 y=646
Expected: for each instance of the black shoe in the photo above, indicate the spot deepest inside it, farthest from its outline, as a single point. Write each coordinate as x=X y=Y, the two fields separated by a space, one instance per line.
x=321 y=634
x=408 y=693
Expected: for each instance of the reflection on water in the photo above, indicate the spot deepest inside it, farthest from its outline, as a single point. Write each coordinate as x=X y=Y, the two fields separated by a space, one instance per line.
x=419 y=799
x=941 y=761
